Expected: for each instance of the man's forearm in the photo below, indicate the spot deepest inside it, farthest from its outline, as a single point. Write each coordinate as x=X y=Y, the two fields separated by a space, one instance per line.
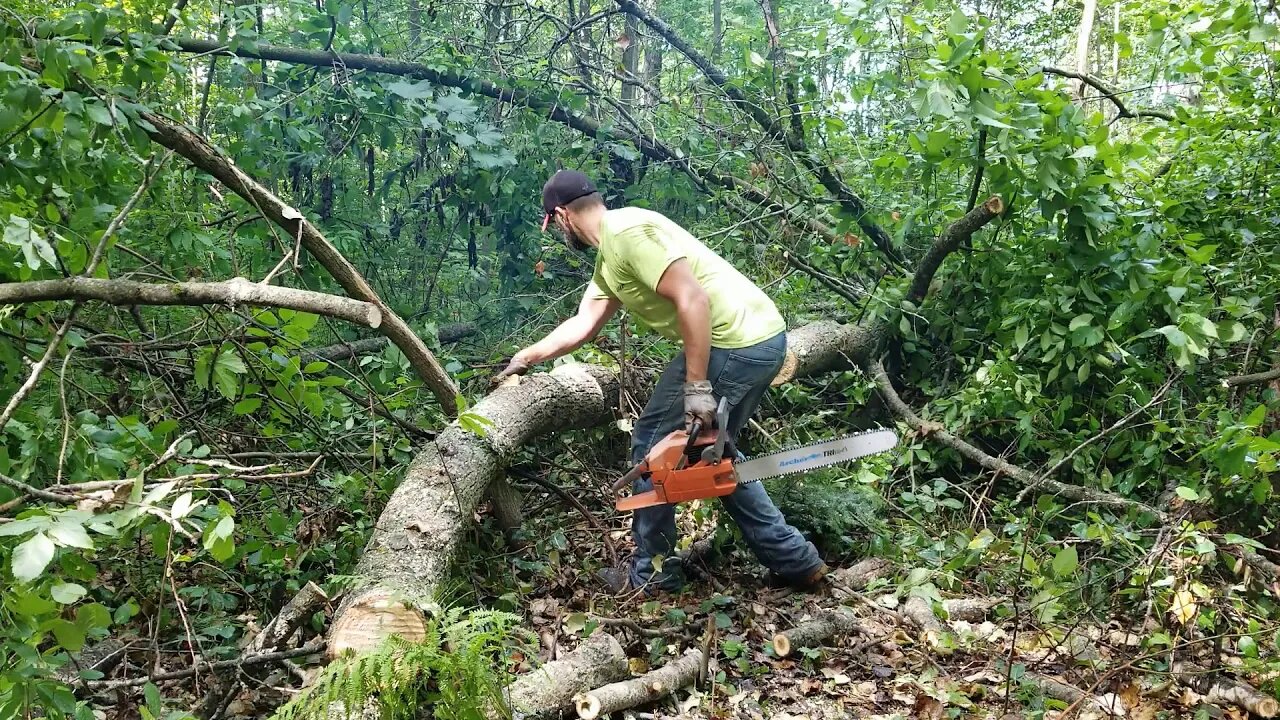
x=694 y=315
x=567 y=337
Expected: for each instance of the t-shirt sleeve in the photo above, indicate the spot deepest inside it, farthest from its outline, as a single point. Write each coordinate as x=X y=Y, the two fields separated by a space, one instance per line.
x=648 y=252
x=596 y=288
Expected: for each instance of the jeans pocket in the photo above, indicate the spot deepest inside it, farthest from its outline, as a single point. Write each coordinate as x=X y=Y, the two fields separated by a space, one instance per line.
x=743 y=372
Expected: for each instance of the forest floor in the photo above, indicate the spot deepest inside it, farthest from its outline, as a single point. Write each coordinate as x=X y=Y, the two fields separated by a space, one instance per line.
x=889 y=669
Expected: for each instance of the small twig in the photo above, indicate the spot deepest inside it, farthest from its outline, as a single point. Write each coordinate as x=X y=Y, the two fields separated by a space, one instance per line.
x=35 y=491
x=311 y=648
x=1109 y=93
x=604 y=532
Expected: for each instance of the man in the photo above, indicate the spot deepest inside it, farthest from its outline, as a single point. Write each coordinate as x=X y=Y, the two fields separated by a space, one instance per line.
x=734 y=342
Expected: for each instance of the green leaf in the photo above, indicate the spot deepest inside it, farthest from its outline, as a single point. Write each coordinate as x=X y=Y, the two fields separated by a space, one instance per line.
x=1176 y=337
x=1247 y=646
x=1020 y=336
x=1200 y=323
x=1087 y=151
x=411 y=90
x=226 y=371
x=72 y=534
x=68 y=634
x=247 y=406
x=1187 y=493
x=98 y=113
x=1080 y=321
x=1255 y=418
x=1065 y=562
x=32 y=557
x=315 y=367
x=1175 y=293
x=67 y=593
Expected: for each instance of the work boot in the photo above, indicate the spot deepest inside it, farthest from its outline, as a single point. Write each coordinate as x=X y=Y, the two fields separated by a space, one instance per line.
x=803 y=583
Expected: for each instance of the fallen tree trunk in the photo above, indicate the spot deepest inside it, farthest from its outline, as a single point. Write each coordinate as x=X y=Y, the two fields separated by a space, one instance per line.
x=827 y=624
x=547 y=690
x=1058 y=690
x=423 y=521
x=920 y=613
x=426 y=517
x=233 y=292
x=653 y=685
x=1219 y=690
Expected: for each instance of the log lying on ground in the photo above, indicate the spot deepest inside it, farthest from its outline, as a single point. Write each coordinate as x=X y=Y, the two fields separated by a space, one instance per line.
x=430 y=511
x=101 y=657
x=969 y=609
x=920 y=612
x=651 y=686
x=861 y=574
x=236 y=291
x=1222 y=690
x=547 y=690
x=824 y=625
x=1058 y=690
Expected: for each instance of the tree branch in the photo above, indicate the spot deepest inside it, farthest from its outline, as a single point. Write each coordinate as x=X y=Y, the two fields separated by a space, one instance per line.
x=1108 y=92
x=1027 y=478
x=237 y=291
x=822 y=171
x=951 y=238
x=205 y=156
x=1253 y=379
x=310 y=648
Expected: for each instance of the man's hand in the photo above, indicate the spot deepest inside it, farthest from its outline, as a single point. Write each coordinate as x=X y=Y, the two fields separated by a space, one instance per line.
x=699 y=404
x=515 y=367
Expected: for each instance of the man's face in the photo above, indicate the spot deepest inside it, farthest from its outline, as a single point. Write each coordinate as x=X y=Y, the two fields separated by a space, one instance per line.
x=571 y=237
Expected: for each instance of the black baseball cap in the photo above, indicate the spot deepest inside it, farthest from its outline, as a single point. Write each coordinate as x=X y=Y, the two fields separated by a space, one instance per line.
x=563 y=188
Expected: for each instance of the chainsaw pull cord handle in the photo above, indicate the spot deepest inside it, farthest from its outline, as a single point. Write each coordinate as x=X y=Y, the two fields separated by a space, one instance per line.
x=714 y=453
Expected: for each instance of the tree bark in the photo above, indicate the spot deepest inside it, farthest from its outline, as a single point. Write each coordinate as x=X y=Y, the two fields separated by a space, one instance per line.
x=208 y=158
x=653 y=685
x=838 y=621
x=1082 y=42
x=543 y=692
x=237 y=291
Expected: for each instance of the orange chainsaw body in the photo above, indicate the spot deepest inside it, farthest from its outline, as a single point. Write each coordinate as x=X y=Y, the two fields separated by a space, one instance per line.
x=679 y=473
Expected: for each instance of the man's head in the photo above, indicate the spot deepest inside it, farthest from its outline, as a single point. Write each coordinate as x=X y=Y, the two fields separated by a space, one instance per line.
x=566 y=198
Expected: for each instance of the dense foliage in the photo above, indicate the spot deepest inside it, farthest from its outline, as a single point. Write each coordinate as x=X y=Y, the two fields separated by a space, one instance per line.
x=177 y=473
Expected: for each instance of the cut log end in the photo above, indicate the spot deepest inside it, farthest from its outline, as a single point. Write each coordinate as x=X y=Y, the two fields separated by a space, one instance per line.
x=781 y=645
x=788 y=370
x=994 y=204
x=371 y=619
x=588 y=706
x=375 y=317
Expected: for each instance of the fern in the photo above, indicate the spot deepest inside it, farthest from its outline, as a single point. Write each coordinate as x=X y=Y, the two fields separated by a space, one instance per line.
x=452 y=670
x=837 y=515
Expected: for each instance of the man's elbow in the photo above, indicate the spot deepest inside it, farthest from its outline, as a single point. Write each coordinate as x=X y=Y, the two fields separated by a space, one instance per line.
x=693 y=298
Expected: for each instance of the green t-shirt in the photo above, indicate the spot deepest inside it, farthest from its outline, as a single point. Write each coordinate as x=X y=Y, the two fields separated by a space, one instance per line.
x=637 y=246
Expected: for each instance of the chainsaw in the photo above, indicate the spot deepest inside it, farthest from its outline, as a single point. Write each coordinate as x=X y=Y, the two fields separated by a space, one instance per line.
x=700 y=462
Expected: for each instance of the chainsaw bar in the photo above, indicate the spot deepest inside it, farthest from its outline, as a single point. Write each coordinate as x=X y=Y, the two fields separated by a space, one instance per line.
x=815 y=455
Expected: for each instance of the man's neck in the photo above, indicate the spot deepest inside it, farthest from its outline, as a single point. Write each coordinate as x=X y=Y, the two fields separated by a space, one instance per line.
x=590 y=224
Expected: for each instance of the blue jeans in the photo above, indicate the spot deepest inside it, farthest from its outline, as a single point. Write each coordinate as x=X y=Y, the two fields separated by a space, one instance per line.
x=741 y=375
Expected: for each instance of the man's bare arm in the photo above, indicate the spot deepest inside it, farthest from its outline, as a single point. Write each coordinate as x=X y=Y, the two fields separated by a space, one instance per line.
x=571 y=334
x=693 y=312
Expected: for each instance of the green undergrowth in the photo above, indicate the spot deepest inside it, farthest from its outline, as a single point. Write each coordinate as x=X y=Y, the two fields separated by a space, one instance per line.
x=453 y=671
